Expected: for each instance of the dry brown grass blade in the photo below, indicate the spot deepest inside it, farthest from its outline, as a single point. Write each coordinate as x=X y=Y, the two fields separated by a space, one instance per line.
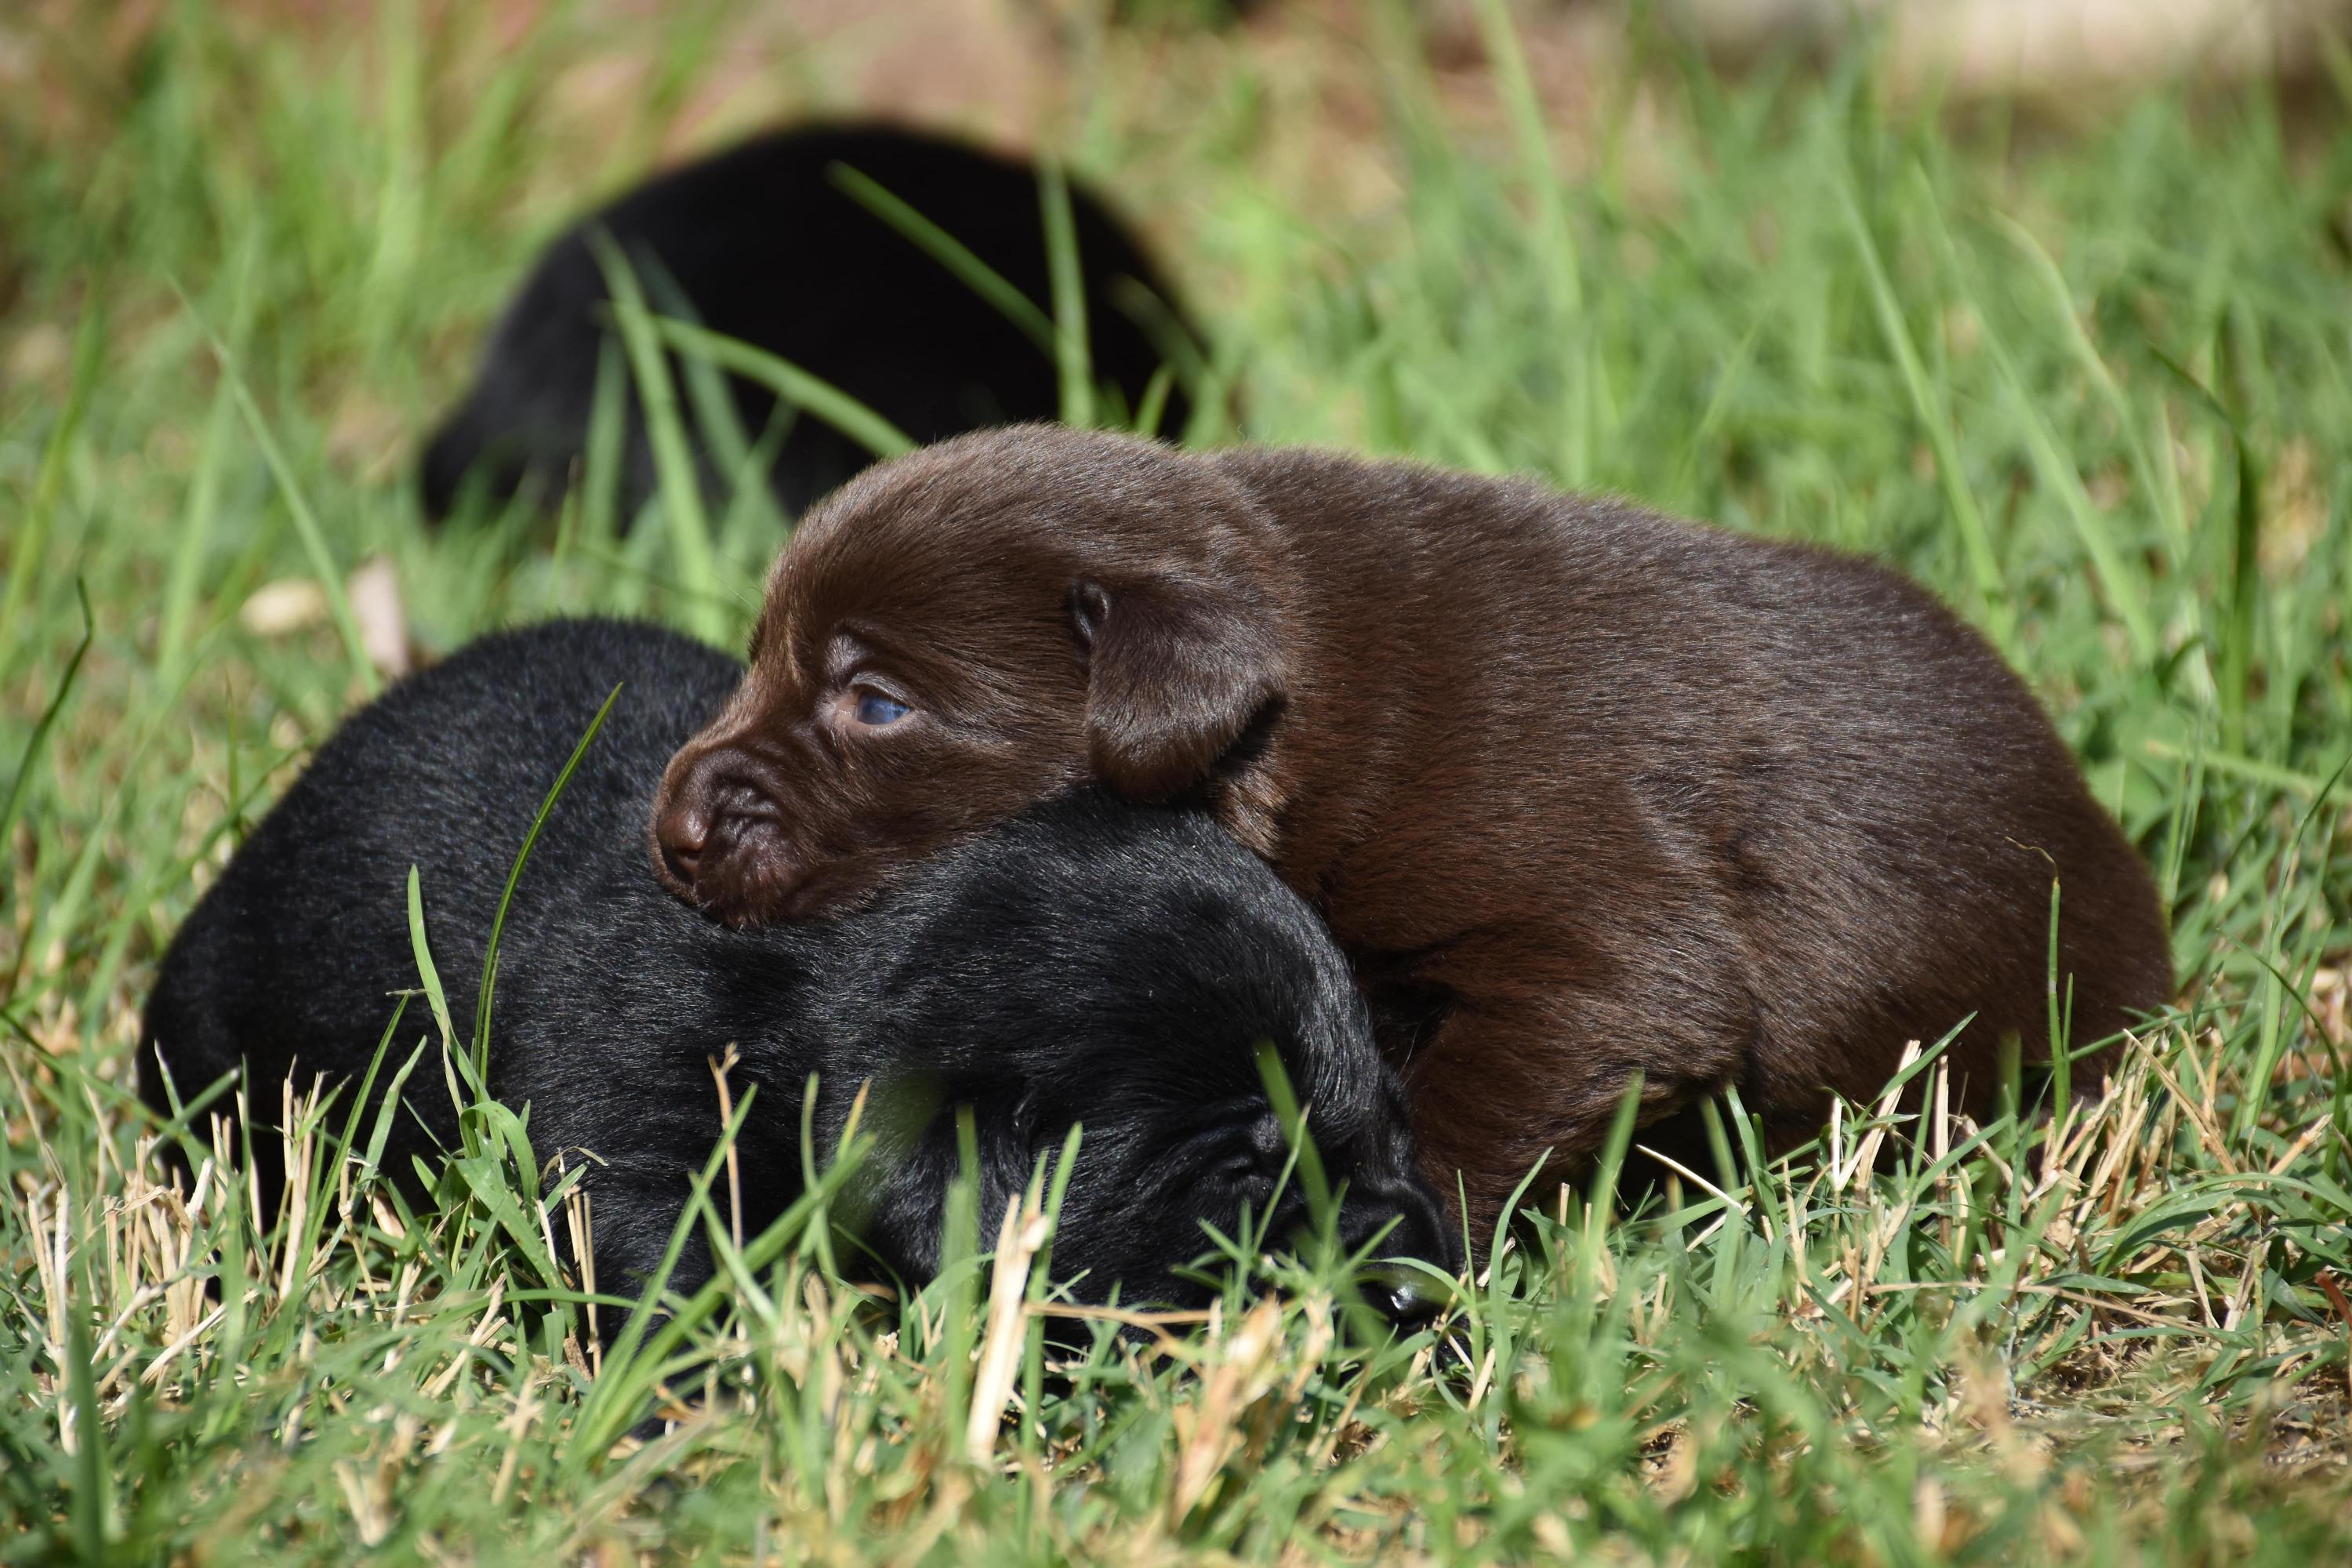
x=1024 y=1230
x=492 y=1321
x=1866 y=1157
x=721 y=1066
x=1207 y=1427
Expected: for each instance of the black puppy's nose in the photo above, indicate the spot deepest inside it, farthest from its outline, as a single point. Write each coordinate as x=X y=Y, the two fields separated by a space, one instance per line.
x=1409 y=1304
x=1400 y=1219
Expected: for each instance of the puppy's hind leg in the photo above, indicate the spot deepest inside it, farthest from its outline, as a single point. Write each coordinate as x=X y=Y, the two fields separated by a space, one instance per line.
x=1500 y=1086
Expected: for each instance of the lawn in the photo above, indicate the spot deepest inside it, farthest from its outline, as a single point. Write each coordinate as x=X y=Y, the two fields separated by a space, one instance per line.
x=2085 y=369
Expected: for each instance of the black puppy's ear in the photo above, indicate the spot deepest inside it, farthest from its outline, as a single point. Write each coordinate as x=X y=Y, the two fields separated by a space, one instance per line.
x=1179 y=668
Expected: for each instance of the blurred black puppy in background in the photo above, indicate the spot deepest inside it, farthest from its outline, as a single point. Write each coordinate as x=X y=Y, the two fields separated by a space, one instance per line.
x=1087 y=963
x=769 y=245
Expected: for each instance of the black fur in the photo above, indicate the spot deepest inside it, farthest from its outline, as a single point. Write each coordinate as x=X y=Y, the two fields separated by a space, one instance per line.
x=770 y=250
x=1087 y=961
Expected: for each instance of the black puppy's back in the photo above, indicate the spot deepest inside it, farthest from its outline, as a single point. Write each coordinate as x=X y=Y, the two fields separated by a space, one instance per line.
x=771 y=249
x=297 y=957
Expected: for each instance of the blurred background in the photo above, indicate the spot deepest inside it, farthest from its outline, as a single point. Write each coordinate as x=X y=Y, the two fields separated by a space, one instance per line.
x=1261 y=145
x=1251 y=140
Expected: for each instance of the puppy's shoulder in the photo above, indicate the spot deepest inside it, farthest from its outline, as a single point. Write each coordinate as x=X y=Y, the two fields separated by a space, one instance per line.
x=534 y=675
x=1310 y=479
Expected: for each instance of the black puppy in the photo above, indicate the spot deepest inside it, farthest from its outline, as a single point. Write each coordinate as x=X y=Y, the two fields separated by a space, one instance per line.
x=1087 y=963
x=770 y=247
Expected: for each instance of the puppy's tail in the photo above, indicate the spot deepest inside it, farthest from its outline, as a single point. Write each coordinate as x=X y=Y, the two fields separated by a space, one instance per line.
x=460 y=456
x=447 y=460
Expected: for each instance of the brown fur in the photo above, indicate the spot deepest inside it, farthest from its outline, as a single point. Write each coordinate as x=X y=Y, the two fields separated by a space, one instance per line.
x=1583 y=791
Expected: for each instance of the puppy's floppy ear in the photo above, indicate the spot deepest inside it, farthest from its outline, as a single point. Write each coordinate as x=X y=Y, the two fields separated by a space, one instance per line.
x=1179 y=668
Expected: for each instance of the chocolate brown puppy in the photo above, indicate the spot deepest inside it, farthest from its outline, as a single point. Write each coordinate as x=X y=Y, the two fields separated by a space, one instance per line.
x=1583 y=791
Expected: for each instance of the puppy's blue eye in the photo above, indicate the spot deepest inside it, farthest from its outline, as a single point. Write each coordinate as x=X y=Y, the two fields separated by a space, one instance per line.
x=877 y=709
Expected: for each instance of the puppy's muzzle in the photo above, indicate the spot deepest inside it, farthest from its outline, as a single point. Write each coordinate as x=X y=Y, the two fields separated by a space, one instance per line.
x=1410 y=1299
x=718 y=841
x=1410 y=1222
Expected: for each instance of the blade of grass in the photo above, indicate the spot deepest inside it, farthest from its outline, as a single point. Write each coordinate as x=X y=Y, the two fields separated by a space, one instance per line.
x=1070 y=348
x=514 y=875
x=198 y=516
x=2087 y=353
x=681 y=481
x=2122 y=588
x=951 y=253
x=31 y=547
x=788 y=381
x=306 y=522
x=1557 y=252
x=1291 y=1116
x=2248 y=768
x=92 y=1507
x=1992 y=602
x=426 y=972
x=42 y=727
x=2238 y=630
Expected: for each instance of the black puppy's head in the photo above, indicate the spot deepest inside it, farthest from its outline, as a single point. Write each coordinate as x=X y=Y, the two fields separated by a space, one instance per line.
x=1130 y=972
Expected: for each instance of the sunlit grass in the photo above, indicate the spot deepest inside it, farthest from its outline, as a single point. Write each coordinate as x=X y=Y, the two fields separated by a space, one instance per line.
x=2093 y=388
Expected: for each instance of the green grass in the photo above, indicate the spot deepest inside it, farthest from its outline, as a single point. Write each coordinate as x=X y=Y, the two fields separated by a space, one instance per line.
x=2091 y=385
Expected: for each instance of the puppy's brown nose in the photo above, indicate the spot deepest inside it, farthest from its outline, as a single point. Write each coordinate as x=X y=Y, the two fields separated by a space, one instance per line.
x=682 y=832
x=717 y=839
